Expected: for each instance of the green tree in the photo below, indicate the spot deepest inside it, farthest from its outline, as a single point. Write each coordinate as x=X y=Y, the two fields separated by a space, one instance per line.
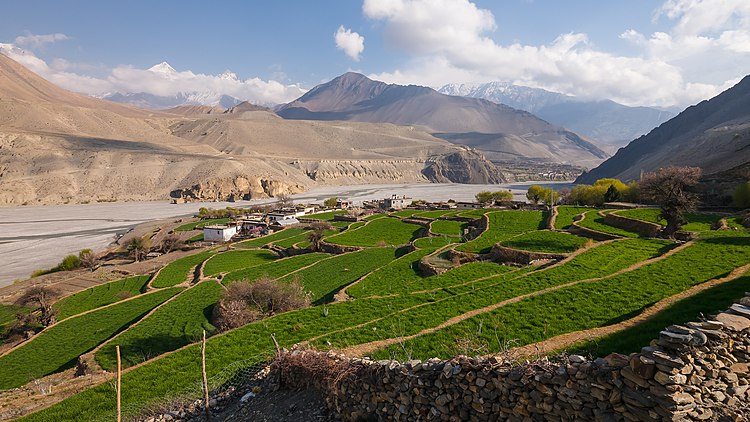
x=612 y=194
x=741 y=195
x=137 y=247
x=502 y=195
x=536 y=193
x=330 y=202
x=484 y=197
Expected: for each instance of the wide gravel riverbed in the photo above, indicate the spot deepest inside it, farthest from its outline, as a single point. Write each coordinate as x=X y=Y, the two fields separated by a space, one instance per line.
x=35 y=237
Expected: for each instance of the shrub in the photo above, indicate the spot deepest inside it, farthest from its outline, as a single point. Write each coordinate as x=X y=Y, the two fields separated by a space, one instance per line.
x=330 y=202
x=171 y=242
x=88 y=259
x=40 y=298
x=243 y=303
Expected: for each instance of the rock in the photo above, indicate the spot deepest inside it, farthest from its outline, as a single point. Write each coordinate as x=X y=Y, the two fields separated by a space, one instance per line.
x=666 y=379
x=733 y=322
x=576 y=359
x=247 y=397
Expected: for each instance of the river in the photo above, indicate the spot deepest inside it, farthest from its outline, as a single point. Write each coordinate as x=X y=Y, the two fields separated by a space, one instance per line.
x=36 y=237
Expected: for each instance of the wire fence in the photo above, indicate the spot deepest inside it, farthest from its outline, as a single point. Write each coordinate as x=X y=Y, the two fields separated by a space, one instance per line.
x=232 y=376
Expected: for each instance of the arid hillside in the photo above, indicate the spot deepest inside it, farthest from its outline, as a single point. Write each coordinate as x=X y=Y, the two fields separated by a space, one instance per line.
x=58 y=147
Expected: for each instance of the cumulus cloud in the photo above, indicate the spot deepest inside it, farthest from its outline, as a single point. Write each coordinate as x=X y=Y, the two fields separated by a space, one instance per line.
x=33 y=41
x=351 y=43
x=160 y=79
x=451 y=39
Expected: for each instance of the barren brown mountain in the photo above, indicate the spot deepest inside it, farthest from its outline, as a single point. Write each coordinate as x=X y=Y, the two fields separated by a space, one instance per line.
x=499 y=131
x=57 y=147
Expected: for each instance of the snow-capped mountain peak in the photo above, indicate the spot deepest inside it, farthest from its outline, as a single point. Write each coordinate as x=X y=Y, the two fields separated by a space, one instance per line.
x=163 y=68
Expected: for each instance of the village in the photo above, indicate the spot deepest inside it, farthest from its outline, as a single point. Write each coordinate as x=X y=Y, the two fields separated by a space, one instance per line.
x=255 y=224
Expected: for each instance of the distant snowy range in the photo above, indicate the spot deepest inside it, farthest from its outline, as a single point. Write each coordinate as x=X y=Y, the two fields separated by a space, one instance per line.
x=611 y=124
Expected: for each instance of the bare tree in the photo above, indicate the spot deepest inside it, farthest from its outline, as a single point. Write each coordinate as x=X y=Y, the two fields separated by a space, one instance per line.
x=88 y=259
x=171 y=242
x=40 y=298
x=137 y=247
x=317 y=233
x=244 y=302
x=284 y=201
x=670 y=189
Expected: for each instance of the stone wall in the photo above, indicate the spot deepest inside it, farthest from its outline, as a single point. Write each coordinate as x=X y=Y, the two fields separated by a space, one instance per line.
x=644 y=228
x=694 y=372
x=505 y=255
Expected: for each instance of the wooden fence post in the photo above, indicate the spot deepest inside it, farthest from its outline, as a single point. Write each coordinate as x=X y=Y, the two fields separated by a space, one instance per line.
x=119 y=385
x=205 y=377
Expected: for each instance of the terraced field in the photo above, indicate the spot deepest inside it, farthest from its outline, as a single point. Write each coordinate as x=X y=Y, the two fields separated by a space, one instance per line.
x=99 y=296
x=384 y=231
x=200 y=224
x=697 y=222
x=237 y=260
x=592 y=220
x=566 y=215
x=449 y=227
x=271 y=238
x=177 y=323
x=179 y=271
x=392 y=310
x=502 y=226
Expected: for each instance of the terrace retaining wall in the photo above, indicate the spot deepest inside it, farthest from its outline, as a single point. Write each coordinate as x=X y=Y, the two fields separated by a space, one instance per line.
x=503 y=254
x=695 y=372
x=643 y=228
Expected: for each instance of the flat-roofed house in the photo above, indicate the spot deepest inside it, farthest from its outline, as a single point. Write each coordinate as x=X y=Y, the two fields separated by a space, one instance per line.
x=219 y=233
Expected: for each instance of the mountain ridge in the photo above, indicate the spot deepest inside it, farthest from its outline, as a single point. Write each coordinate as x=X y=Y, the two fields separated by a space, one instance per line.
x=713 y=134
x=517 y=133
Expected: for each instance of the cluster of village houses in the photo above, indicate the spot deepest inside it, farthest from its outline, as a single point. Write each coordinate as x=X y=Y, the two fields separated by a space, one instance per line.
x=258 y=224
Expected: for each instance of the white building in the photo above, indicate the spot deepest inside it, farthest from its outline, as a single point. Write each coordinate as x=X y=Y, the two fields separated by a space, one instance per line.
x=219 y=233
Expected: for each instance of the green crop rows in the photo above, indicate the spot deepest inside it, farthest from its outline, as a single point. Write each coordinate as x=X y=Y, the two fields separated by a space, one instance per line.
x=566 y=214
x=593 y=221
x=276 y=269
x=435 y=214
x=177 y=323
x=707 y=302
x=503 y=226
x=546 y=241
x=271 y=238
x=384 y=230
x=177 y=271
x=328 y=276
x=327 y=216
x=585 y=305
x=59 y=346
x=8 y=315
x=448 y=227
x=235 y=260
x=697 y=222
x=98 y=296
x=602 y=285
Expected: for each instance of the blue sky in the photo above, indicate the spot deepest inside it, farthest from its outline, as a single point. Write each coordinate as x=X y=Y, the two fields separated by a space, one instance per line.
x=673 y=52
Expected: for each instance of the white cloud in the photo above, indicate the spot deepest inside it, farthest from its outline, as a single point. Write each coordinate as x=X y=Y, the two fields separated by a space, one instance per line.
x=161 y=79
x=33 y=41
x=701 y=55
x=351 y=43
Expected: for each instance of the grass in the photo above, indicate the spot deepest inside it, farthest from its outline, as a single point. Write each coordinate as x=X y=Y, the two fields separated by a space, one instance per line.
x=197 y=238
x=177 y=323
x=504 y=225
x=435 y=213
x=448 y=227
x=707 y=302
x=328 y=276
x=200 y=224
x=697 y=222
x=8 y=315
x=583 y=306
x=271 y=238
x=475 y=213
x=405 y=213
x=546 y=241
x=326 y=216
x=251 y=345
x=565 y=215
x=98 y=296
x=275 y=269
x=401 y=271
x=594 y=222
x=58 y=347
x=177 y=271
x=379 y=232
x=235 y=260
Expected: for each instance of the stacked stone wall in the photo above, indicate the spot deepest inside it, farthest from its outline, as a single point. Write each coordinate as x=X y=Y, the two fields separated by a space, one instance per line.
x=694 y=372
